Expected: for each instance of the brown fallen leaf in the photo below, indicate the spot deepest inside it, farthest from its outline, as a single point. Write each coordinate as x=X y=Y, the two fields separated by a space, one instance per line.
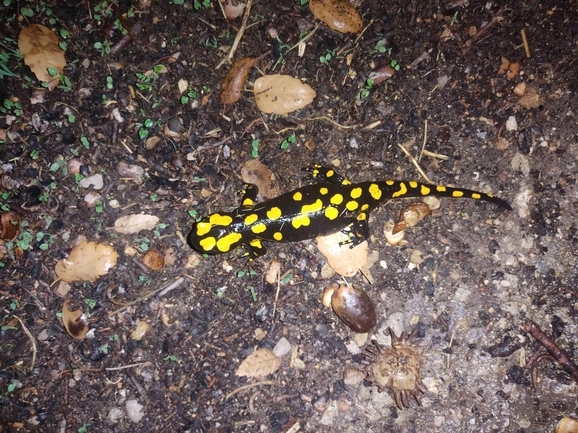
x=75 y=322
x=339 y=15
x=130 y=224
x=154 y=260
x=86 y=262
x=235 y=79
x=39 y=48
x=344 y=260
x=257 y=173
x=10 y=226
x=282 y=94
x=410 y=216
x=260 y=363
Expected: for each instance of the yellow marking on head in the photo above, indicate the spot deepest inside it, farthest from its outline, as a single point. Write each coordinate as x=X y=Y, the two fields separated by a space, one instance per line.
x=413 y=184
x=203 y=228
x=278 y=236
x=323 y=191
x=375 y=191
x=274 y=213
x=389 y=182
x=356 y=192
x=259 y=228
x=457 y=194
x=441 y=188
x=300 y=220
x=336 y=199
x=365 y=207
x=220 y=220
x=224 y=244
x=256 y=243
x=329 y=173
x=402 y=190
x=352 y=205
x=208 y=243
x=345 y=182
x=248 y=202
x=313 y=207
x=250 y=219
x=476 y=195
x=362 y=216
x=297 y=196
x=331 y=212
x=425 y=190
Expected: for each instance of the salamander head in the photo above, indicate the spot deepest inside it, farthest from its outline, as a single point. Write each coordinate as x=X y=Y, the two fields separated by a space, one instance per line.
x=214 y=234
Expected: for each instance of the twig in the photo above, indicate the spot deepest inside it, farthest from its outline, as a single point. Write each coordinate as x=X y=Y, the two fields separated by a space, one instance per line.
x=435 y=155
x=330 y=120
x=249 y=386
x=525 y=42
x=484 y=29
x=32 y=340
x=414 y=162
x=305 y=38
x=557 y=353
x=424 y=140
x=239 y=35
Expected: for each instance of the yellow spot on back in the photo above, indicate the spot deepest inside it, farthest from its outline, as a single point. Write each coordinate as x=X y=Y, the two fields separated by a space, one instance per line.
x=256 y=243
x=457 y=194
x=375 y=191
x=220 y=220
x=250 y=219
x=356 y=193
x=402 y=190
x=224 y=244
x=425 y=190
x=278 y=236
x=476 y=195
x=208 y=243
x=413 y=184
x=362 y=216
x=314 y=207
x=331 y=212
x=336 y=199
x=300 y=220
x=274 y=213
x=329 y=173
x=365 y=207
x=352 y=205
x=441 y=188
x=203 y=228
x=297 y=196
x=247 y=202
x=323 y=191
x=259 y=228
x=390 y=182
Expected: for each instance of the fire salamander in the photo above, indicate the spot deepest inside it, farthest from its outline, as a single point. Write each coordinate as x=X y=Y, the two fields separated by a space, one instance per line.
x=331 y=204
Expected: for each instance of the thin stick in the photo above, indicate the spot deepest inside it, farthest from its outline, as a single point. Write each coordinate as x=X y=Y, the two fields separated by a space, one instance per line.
x=32 y=340
x=424 y=140
x=305 y=39
x=484 y=29
x=330 y=120
x=239 y=35
x=435 y=155
x=414 y=162
x=525 y=42
x=249 y=386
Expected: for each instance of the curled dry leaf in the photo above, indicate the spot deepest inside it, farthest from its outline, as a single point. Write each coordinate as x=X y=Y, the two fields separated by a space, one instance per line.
x=235 y=79
x=344 y=260
x=391 y=238
x=273 y=273
x=233 y=9
x=282 y=94
x=257 y=173
x=75 y=322
x=135 y=223
x=339 y=15
x=352 y=305
x=140 y=331
x=154 y=260
x=39 y=47
x=86 y=262
x=410 y=216
x=260 y=363
x=10 y=226
x=380 y=74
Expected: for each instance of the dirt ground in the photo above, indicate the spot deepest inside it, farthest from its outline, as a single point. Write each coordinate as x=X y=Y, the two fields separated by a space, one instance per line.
x=470 y=278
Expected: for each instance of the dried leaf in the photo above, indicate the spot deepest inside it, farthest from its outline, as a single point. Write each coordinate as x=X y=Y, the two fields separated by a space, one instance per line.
x=257 y=173
x=282 y=94
x=235 y=80
x=10 y=226
x=339 y=15
x=135 y=223
x=344 y=260
x=154 y=260
x=233 y=9
x=260 y=363
x=39 y=47
x=141 y=329
x=86 y=262
x=75 y=322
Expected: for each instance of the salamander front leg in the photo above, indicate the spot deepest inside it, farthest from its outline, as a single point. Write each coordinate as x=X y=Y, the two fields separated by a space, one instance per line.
x=326 y=174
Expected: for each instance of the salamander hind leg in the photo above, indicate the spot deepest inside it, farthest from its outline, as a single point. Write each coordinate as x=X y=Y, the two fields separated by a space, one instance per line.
x=326 y=174
x=356 y=233
x=254 y=249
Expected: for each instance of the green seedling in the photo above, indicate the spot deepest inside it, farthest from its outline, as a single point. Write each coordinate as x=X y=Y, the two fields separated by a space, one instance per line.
x=255 y=148
x=190 y=94
x=289 y=140
x=365 y=92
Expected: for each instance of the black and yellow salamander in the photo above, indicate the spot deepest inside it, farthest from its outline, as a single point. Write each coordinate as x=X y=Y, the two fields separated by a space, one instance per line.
x=330 y=204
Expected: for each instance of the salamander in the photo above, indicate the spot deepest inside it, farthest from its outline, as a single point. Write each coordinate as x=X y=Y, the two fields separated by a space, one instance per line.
x=330 y=204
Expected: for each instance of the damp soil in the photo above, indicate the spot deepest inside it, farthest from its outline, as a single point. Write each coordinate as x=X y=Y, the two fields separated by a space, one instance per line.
x=469 y=279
